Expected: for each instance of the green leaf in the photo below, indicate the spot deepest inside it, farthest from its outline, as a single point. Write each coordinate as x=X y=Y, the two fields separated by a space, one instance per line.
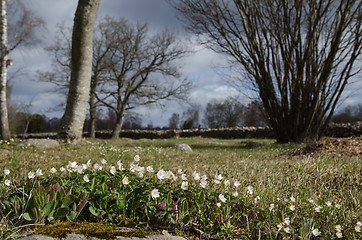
x=226 y=210
x=47 y=199
x=32 y=214
x=48 y=208
x=81 y=205
x=104 y=187
x=61 y=212
x=121 y=203
x=68 y=200
x=202 y=198
x=57 y=196
x=57 y=204
x=185 y=207
x=27 y=217
x=42 y=190
x=71 y=216
x=62 y=192
x=169 y=199
x=94 y=211
x=70 y=191
x=50 y=218
x=51 y=215
x=31 y=203
x=41 y=195
x=93 y=184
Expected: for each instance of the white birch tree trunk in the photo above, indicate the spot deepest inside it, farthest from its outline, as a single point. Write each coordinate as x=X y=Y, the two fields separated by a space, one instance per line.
x=4 y=122
x=71 y=128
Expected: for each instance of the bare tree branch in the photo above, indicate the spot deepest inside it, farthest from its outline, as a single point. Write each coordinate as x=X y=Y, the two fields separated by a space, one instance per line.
x=299 y=54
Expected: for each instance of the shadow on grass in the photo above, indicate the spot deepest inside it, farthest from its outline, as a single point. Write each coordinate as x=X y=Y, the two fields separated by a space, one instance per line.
x=204 y=144
x=233 y=145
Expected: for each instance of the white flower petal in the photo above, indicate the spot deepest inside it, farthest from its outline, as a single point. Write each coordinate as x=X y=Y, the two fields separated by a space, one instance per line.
x=39 y=172
x=222 y=198
x=155 y=193
x=7 y=182
x=316 y=232
x=218 y=177
x=271 y=206
x=85 y=178
x=125 y=181
x=31 y=175
x=184 y=185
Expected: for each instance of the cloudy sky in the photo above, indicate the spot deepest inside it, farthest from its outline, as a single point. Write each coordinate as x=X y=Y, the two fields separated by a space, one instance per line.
x=201 y=67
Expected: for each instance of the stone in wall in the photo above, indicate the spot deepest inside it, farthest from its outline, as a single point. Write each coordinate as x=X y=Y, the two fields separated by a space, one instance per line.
x=333 y=130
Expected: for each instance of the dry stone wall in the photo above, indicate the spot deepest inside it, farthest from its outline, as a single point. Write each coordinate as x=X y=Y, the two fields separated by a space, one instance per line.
x=334 y=130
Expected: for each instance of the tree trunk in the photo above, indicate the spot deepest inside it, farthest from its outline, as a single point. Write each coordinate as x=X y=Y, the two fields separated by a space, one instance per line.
x=119 y=124
x=92 y=109
x=81 y=69
x=92 y=113
x=4 y=122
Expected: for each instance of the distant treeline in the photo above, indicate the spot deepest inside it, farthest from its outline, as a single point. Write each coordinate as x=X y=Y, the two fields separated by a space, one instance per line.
x=22 y=123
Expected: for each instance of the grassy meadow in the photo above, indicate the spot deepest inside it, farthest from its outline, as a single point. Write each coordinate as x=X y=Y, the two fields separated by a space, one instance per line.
x=225 y=189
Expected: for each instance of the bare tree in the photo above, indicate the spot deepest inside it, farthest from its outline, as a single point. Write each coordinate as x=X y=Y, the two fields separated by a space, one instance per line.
x=116 y=41
x=254 y=115
x=226 y=113
x=190 y=118
x=71 y=128
x=299 y=54
x=61 y=53
x=174 y=121
x=140 y=70
x=132 y=121
x=22 y=31
x=349 y=114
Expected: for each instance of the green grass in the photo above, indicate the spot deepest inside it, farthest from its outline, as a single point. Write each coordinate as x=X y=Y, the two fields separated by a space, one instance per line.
x=276 y=177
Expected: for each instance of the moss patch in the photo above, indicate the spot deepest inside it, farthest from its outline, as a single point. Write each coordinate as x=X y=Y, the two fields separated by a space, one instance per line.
x=62 y=229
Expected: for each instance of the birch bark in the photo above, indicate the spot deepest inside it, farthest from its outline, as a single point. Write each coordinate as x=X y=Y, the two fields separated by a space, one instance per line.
x=4 y=122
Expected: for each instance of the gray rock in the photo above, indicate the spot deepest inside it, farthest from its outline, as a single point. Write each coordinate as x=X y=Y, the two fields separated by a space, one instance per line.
x=40 y=142
x=36 y=237
x=183 y=147
x=77 y=237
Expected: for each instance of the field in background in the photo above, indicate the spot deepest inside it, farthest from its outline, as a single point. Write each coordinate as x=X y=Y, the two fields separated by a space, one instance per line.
x=298 y=177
